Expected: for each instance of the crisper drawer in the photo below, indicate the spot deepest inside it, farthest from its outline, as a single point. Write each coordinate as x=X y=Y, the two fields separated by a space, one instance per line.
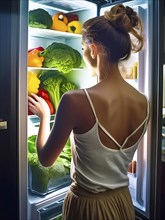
x=47 y=207
x=44 y=180
x=40 y=183
x=51 y=212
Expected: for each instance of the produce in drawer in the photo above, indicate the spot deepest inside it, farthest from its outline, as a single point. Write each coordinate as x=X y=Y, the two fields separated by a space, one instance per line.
x=42 y=179
x=59 y=22
x=61 y=56
x=40 y=18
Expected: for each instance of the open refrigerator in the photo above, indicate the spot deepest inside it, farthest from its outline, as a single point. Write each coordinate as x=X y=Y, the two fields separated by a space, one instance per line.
x=47 y=204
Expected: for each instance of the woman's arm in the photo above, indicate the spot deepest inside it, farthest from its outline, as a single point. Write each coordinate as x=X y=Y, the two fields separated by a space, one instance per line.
x=50 y=144
x=39 y=107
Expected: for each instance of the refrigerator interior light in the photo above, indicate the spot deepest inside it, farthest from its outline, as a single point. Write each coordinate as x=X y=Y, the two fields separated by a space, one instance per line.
x=64 y=5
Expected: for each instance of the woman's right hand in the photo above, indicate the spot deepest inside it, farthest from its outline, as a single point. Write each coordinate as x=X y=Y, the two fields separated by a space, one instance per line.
x=38 y=106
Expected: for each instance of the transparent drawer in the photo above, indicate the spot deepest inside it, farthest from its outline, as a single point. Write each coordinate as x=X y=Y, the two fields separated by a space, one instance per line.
x=42 y=182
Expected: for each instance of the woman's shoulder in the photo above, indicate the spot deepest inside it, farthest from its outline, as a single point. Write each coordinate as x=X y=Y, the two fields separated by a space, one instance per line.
x=136 y=95
x=75 y=105
x=75 y=98
x=143 y=98
x=74 y=94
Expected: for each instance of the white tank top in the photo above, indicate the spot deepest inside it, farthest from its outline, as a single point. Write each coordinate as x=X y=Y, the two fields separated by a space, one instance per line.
x=96 y=167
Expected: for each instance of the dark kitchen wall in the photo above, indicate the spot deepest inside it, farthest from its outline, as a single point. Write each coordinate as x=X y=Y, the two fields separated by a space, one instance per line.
x=9 y=21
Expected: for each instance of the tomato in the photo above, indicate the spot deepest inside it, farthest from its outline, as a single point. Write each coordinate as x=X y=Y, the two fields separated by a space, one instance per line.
x=51 y=107
x=44 y=94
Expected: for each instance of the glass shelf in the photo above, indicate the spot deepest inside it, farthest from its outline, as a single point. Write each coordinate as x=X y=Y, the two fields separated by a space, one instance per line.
x=44 y=68
x=48 y=33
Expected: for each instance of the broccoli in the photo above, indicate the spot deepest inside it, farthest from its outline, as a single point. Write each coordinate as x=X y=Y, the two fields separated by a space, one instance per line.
x=56 y=85
x=52 y=85
x=44 y=74
x=61 y=56
x=39 y=18
x=67 y=86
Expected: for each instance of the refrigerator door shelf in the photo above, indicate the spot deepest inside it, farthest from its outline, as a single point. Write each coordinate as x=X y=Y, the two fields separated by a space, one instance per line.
x=133 y=182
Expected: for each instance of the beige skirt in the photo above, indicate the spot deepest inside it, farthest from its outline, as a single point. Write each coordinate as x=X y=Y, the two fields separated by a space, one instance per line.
x=80 y=204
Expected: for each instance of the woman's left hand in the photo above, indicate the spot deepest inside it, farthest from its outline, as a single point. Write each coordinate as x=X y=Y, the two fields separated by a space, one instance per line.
x=38 y=106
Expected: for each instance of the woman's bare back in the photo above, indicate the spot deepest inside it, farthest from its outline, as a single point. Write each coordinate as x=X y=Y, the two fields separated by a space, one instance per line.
x=120 y=111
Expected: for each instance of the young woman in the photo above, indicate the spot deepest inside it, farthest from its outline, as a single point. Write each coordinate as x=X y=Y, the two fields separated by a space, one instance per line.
x=108 y=121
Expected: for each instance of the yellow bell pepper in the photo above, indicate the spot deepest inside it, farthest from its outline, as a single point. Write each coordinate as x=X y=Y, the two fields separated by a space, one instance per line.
x=33 y=83
x=34 y=60
x=59 y=22
x=75 y=27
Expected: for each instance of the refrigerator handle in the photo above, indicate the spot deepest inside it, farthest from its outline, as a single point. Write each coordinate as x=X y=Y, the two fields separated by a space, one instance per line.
x=3 y=124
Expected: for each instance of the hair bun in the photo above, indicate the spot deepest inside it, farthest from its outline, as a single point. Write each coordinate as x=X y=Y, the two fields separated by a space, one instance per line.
x=132 y=16
x=129 y=11
x=122 y=18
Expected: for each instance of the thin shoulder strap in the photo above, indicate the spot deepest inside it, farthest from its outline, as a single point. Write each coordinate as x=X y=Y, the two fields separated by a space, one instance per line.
x=91 y=104
x=143 y=123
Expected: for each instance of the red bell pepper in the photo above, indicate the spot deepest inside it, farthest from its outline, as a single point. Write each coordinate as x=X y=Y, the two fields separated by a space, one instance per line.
x=72 y=17
x=45 y=95
x=51 y=107
x=37 y=48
